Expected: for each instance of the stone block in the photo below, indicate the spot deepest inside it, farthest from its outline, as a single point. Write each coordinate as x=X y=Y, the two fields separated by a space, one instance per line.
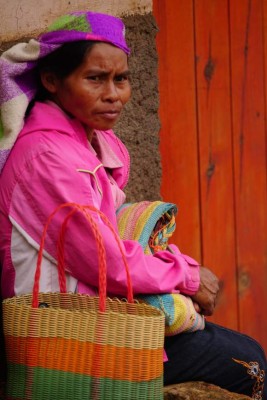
x=199 y=391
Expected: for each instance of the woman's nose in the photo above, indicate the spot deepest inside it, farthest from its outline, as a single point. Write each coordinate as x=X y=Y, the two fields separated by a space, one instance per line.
x=110 y=92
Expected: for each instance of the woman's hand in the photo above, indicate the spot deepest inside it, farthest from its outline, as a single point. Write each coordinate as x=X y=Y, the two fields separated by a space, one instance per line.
x=205 y=298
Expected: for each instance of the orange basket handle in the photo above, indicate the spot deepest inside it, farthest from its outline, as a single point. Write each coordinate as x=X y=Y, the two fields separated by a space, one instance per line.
x=86 y=211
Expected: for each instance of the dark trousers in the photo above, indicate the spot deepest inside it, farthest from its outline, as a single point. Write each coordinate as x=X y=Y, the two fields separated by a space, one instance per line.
x=208 y=356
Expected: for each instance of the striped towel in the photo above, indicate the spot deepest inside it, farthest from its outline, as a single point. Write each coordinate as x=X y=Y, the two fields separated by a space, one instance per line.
x=152 y=224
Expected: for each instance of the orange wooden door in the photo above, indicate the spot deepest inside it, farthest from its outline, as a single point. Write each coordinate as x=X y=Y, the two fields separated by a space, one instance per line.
x=212 y=84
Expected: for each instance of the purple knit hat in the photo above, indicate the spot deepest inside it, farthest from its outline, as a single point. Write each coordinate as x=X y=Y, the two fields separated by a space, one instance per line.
x=86 y=26
x=17 y=80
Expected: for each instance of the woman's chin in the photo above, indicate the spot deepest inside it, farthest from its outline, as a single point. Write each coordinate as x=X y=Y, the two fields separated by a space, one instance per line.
x=103 y=126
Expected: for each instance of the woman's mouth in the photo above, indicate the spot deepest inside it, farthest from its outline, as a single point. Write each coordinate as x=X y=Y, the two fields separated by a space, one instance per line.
x=110 y=114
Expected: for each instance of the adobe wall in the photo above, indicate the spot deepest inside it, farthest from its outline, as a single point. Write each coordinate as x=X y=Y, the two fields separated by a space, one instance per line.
x=139 y=124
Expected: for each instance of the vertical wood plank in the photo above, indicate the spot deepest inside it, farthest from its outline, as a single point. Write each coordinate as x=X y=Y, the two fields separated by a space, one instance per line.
x=178 y=138
x=247 y=55
x=230 y=155
x=215 y=149
x=264 y=2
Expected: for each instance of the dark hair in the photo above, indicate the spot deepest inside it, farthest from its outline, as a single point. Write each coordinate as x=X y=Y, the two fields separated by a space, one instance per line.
x=66 y=59
x=62 y=62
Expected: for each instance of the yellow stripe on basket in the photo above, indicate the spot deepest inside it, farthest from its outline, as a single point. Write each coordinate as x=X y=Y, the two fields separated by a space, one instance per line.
x=91 y=359
x=124 y=324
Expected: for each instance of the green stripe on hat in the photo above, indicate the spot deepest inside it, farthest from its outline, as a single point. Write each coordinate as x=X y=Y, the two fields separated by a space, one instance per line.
x=71 y=23
x=1 y=129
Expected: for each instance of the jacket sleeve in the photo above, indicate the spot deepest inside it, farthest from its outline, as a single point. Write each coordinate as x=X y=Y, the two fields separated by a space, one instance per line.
x=49 y=182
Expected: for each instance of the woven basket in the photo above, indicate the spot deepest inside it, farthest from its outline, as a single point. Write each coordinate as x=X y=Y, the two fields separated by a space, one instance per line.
x=65 y=346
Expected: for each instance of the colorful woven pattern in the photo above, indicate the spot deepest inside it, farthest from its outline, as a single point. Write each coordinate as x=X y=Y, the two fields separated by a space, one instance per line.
x=152 y=224
x=63 y=346
x=17 y=65
x=72 y=351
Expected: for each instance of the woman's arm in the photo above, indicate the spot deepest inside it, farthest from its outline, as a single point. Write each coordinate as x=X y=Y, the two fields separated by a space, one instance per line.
x=51 y=181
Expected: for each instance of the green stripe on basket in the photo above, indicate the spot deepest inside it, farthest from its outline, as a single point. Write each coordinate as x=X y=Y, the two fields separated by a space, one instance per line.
x=16 y=382
x=57 y=385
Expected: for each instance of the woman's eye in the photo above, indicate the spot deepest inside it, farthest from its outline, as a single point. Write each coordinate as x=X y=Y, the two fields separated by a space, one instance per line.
x=122 y=78
x=93 y=78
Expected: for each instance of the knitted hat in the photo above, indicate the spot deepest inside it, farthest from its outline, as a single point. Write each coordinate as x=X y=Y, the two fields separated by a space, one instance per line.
x=86 y=26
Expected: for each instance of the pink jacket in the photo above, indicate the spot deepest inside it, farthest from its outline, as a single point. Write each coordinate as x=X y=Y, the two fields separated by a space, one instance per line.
x=52 y=163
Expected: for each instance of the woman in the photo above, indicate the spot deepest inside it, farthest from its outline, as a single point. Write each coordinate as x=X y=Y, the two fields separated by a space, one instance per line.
x=60 y=148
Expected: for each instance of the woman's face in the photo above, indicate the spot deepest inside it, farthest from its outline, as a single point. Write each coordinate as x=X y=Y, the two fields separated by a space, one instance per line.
x=97 y=90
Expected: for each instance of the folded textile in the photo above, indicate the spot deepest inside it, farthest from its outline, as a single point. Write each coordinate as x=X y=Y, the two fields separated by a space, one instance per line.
x=152 y=224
